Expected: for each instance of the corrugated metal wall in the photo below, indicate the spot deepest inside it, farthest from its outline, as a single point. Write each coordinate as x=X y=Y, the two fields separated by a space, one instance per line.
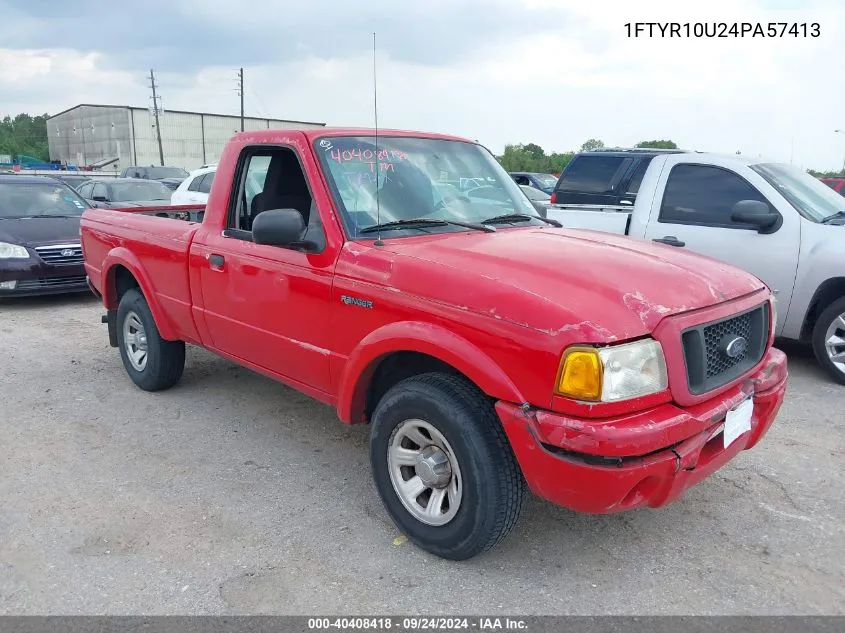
x=87 y=134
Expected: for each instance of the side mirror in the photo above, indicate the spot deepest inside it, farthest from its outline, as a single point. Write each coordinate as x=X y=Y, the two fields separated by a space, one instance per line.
x=278 y=227
x=758 y=214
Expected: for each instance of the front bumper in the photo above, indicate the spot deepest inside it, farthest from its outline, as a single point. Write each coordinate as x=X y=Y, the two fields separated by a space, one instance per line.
x=34 y=278
x=576 y=463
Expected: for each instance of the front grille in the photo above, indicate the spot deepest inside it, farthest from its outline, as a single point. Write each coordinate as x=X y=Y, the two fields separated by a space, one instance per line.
x=51 y=282
x=61 y=254
x=715 y=337
x=718 y=352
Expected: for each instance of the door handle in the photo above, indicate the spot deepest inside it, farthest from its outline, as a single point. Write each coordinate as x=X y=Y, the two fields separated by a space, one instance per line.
x=627 y=203
x=216 y=261
x=671 y=240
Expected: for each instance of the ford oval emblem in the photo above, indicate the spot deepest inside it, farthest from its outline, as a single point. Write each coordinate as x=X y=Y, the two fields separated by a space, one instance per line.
x=736 y=347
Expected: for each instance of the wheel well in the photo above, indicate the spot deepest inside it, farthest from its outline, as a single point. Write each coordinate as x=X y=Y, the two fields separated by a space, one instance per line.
x=123 y=280
x=398 y=366
x=826 y=294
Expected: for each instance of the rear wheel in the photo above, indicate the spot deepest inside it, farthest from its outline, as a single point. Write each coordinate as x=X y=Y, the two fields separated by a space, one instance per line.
x=151 y=362
x=829 y=340
x=443 y=466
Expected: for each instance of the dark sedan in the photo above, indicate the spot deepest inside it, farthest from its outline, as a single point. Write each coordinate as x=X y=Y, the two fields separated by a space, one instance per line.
x=40 y=252
x=116 y=193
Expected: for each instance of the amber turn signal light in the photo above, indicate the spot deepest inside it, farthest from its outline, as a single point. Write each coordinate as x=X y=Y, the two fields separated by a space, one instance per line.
x=580 y=374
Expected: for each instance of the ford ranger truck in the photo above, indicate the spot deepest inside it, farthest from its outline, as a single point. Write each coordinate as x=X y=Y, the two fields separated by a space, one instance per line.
x=770 y=219
x=405 y=280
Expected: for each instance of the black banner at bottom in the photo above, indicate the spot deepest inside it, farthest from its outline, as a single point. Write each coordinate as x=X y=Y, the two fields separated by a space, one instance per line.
x=410 y=624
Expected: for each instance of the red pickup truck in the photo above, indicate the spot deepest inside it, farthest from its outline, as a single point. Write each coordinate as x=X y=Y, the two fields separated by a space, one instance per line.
x=405 y=279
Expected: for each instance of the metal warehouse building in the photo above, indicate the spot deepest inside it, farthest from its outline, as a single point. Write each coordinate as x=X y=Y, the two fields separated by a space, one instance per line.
x=89 y=134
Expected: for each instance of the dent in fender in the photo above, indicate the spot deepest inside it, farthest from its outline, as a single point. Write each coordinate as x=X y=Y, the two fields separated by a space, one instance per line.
x=425 y=338
x=121 y=256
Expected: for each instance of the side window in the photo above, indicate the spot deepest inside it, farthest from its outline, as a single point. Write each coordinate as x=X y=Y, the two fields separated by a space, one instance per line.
x=85 y=190
x=702 y=194
x=99 y=192
x=195 y=183
x=205 y=185
x=594 y=174
x=637 y=177
x=522 y=180
x=272 y=178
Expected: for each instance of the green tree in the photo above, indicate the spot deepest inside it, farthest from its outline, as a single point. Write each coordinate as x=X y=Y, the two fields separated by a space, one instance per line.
x=531 y=157
x=591 y=144
x=657 y=144
x=24 y=135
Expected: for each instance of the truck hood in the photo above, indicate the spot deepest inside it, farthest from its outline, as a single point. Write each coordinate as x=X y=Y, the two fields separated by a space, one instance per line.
x=39 y=231
x=556 y=280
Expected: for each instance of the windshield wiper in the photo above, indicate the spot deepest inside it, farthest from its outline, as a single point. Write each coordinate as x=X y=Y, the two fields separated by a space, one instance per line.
x=838 y=214
x=423 y=222
x=521 y=217
x=47 y=215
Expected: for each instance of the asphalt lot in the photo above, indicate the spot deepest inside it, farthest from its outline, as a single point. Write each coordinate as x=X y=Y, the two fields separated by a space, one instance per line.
x=233 y=494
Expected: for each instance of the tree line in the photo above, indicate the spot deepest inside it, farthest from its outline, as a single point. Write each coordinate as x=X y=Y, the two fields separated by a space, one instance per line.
x=24 y=135
x=532 y=157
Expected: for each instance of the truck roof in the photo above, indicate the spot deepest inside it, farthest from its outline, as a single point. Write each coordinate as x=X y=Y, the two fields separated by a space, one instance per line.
x=315 y=133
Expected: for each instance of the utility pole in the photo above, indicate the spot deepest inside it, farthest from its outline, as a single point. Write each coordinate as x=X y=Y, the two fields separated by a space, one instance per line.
x=241 y=93
x=155 y=113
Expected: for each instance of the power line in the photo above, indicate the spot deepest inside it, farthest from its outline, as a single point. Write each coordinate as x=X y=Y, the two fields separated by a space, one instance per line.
x=155 y=112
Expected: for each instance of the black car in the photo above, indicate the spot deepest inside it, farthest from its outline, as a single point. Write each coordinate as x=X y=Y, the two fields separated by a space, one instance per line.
x=125 y=192
x=607 y=177
x=40 y=251
x=170 y=176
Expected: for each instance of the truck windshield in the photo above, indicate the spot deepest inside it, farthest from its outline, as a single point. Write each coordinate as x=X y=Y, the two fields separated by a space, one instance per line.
x=413 y=178
x=26 y=200
x=811 y=197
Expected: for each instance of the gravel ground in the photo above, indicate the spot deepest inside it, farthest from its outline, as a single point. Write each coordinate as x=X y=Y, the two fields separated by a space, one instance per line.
x=233 y=494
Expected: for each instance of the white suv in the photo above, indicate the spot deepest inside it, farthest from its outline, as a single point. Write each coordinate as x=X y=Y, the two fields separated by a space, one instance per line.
x=195 y=188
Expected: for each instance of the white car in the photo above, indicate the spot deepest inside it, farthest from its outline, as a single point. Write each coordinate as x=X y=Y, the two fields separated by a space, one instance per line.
x=195 y=188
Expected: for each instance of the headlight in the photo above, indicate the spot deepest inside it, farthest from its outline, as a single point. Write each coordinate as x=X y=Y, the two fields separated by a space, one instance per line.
x=13 y=251
x=609 y=374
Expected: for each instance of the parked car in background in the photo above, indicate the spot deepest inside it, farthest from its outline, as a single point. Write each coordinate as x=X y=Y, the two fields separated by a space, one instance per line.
x=40 y=251
x=195 y=188
x=543 y=182
x=837 y=184
x=604 y=176
x=539 y=199
x=125 y=192
x=486 y=347
x=773 y=220
x=73 y=180
x=170 y=176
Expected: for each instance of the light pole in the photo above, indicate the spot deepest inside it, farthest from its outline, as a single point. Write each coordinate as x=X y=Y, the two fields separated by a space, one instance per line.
x=843 y=160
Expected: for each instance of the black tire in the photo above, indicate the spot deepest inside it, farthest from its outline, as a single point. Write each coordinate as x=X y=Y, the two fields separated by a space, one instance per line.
x=492 y=483
x=165 y=360
x=831 y=313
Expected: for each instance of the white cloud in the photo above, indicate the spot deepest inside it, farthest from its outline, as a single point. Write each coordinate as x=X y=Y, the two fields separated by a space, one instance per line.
x=555 y=88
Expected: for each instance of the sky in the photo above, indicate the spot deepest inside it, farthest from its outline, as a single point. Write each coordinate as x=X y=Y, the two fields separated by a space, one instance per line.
x=550 y=72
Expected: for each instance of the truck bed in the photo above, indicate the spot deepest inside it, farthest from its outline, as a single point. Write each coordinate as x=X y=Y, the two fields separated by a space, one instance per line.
x=610 y=219
x=161 y=236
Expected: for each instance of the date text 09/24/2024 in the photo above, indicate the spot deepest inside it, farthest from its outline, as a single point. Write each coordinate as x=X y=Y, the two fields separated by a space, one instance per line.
x=420 y=623
x=723 y=29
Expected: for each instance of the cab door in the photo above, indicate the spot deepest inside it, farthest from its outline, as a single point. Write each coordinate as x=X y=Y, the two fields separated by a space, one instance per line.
x=268 y=305
x=693 y=209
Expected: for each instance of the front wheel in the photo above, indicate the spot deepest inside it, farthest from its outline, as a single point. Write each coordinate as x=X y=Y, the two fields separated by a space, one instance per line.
x=443 y=466
x=829 y=340
x=151 y=362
